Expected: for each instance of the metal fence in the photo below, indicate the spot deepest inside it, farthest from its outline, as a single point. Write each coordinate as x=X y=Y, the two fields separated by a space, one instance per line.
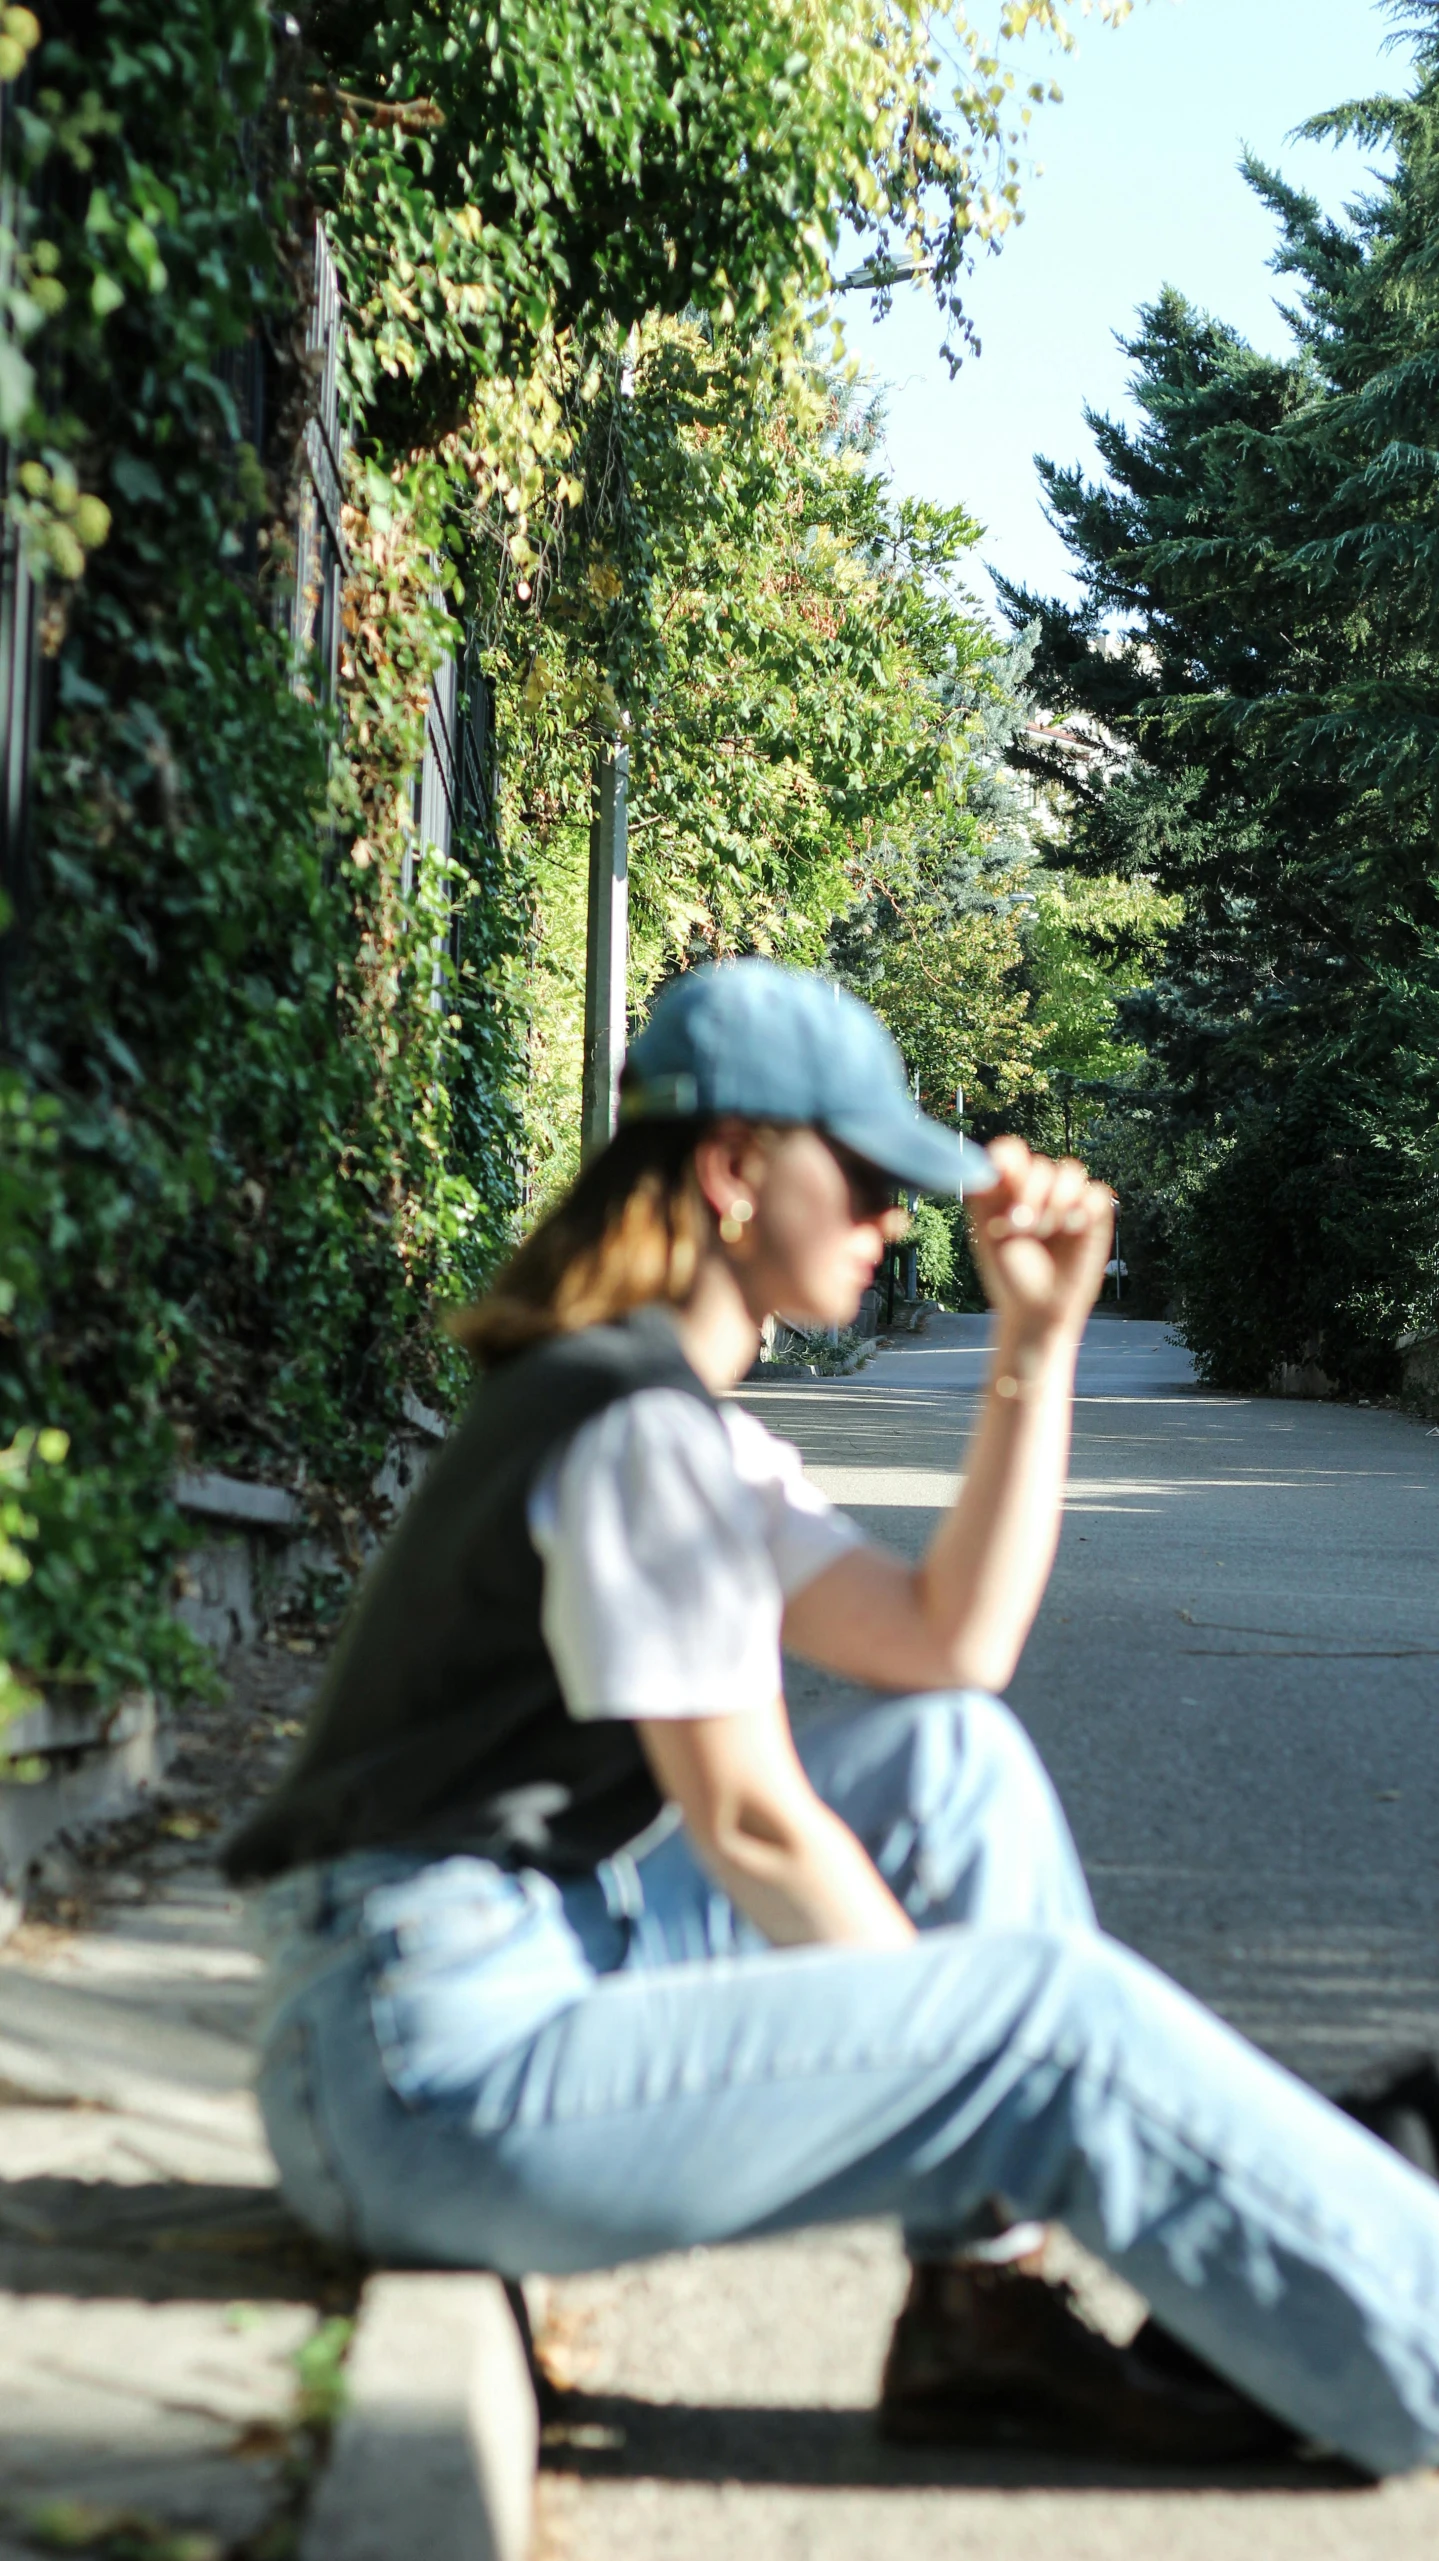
x=456 y=792
x=311 y=610
x=320 y=564
x=437 y=784
x=20 y=663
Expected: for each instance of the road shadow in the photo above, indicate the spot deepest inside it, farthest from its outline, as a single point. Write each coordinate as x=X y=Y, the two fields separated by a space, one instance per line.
x=615 y=2437
x=165 y=2241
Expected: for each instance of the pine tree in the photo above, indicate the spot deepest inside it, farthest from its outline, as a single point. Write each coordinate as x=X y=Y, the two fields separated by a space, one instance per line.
x=1265 y=545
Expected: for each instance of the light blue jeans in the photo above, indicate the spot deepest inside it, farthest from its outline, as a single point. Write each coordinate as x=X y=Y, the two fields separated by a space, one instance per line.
x=467 y=2067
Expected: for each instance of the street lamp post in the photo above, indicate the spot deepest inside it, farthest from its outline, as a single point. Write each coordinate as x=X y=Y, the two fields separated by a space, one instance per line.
x=911 y=1258
x=607 y=936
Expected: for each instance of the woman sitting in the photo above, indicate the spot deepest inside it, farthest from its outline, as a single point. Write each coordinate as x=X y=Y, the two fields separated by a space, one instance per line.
x=580 y=1954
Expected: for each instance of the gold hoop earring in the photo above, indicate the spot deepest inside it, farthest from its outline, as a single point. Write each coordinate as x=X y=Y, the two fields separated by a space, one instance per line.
x=735 y=1220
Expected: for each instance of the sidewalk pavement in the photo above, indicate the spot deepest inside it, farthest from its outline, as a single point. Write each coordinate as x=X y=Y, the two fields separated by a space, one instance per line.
x=1232 y=1679
x=155 y=2309
x=183 y=2375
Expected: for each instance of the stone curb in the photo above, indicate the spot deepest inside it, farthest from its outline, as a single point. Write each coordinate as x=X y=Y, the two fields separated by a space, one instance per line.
x=434 y=2452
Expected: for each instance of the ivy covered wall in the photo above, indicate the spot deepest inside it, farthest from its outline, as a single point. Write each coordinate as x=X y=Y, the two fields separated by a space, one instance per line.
x=238 y=1042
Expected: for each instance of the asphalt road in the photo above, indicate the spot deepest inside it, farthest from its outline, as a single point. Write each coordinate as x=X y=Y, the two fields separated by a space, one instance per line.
x=1235 y=1681
x=1235 y=1674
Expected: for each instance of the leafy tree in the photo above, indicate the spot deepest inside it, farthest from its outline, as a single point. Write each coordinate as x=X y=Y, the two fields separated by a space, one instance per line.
x=931 y=1232
x=494 y=174
x=807 y=702
x=1089 y=941
x=935 y=939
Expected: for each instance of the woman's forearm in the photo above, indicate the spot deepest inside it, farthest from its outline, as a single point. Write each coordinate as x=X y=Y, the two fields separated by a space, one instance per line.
x=1040 y=1237
x=959 y=1618
x=984 y=1574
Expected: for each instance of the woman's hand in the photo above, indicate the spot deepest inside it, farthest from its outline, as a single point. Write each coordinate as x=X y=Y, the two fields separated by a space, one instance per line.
x=1041 y=1240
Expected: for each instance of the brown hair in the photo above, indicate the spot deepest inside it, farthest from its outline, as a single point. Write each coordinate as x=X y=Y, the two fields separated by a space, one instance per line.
x=634 y=1228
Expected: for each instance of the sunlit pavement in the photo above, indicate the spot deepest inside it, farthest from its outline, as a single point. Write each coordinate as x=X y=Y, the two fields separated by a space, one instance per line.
x=1233 y=1680
x=1234 y=1676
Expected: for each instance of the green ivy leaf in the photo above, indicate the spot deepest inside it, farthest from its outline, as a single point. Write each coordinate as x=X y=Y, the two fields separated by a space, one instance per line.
x=136 y=479
x=17 y=388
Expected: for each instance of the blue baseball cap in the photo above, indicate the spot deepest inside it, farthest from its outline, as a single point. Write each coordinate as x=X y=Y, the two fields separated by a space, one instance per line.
x=774 y=1044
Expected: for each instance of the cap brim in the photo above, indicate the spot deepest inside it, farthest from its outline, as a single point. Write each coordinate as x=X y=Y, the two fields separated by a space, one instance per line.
x=916 y=1152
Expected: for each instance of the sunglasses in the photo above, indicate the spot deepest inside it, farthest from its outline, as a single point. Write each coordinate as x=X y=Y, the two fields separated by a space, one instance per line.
x=871 y=1192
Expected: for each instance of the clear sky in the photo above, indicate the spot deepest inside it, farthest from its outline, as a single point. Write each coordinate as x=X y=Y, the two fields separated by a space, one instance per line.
x=1139 y=188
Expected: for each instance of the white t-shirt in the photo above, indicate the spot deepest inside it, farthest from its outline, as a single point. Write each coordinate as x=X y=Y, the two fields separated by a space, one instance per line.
x=672 y=1533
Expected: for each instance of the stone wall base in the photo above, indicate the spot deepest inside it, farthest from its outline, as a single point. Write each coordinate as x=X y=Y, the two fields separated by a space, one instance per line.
x=70 y=1765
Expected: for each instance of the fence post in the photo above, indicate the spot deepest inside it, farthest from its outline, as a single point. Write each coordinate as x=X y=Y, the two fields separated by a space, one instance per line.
x=320 y=563
x=20 y=666
x=606 y=949
x=19 y=726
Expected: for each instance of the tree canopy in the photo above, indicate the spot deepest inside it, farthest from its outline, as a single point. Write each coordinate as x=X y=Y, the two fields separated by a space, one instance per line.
x=815 y=709
x=493 y=173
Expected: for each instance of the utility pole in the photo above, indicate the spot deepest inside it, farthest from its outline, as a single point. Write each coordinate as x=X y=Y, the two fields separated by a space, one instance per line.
x=606 y=948
x=911 y=1258
x=607 y=935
